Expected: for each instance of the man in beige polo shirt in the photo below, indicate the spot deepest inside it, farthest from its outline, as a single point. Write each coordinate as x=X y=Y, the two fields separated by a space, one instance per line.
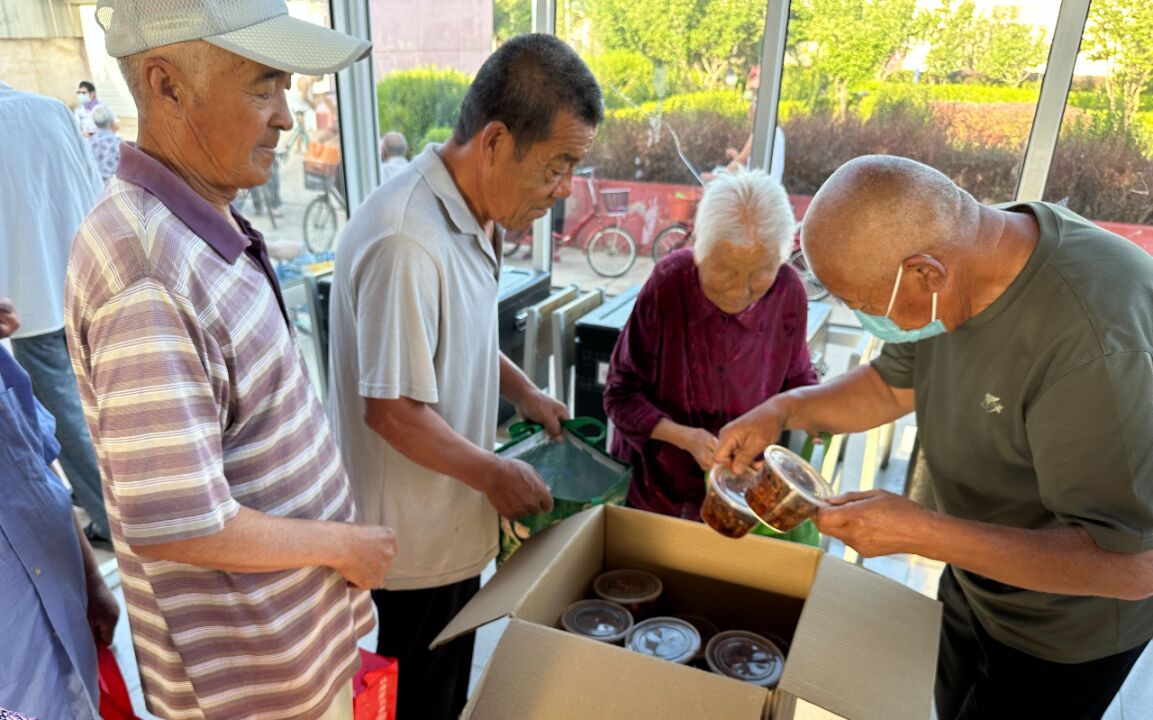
x=416 y=368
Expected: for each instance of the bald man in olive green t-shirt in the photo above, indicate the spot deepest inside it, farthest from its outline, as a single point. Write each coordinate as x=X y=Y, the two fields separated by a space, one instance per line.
x=1022 y=336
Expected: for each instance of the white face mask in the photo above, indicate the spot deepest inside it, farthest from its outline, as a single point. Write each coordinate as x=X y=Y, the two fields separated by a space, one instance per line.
x=82 y=97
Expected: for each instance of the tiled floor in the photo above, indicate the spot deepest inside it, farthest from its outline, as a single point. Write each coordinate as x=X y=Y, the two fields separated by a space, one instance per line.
x=1134 y=702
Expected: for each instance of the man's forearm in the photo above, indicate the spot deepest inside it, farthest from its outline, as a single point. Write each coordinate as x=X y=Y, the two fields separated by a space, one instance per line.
x=255 y=542
x=515 y=385
x=1065 y=561
x=422 y=436
x=857 y=401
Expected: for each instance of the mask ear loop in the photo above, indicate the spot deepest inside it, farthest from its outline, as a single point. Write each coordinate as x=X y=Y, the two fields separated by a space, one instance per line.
x=934 y=319
x=896 y=287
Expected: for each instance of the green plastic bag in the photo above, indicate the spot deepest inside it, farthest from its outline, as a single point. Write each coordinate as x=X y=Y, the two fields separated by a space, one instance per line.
x=576 y=469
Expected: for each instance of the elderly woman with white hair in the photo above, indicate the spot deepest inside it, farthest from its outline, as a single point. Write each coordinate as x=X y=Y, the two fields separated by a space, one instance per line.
x=104 y=143
x=715 y=331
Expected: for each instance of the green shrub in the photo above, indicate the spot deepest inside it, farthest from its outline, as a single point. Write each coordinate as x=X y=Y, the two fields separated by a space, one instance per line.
x=412 y=101
x=1101 y=177
x=726 y=103
x=623 y=72
x=629 y=149
x=435 y=134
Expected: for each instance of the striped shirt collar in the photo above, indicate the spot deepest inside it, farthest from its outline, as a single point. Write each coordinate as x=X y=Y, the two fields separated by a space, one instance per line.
x=139 y=168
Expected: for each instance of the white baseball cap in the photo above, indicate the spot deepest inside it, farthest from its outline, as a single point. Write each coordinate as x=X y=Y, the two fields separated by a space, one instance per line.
x=260 y=30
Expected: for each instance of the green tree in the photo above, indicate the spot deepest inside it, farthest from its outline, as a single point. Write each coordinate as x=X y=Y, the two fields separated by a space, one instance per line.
x=1120 y=33
x=703 y=38
x=509 y=18
x=849 y=42
x=996 y=45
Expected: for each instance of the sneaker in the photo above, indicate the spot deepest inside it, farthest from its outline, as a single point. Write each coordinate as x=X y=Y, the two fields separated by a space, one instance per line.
x=95 y=539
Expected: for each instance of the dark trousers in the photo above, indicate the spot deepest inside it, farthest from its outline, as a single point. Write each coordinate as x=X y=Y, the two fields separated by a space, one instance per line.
x=431 y=684
x=981 y=678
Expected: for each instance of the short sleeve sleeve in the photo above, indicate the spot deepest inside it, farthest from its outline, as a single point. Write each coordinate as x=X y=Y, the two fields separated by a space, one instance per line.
x=1090 y=434
x=157 y=417
x=895 y=364
x=397 y=307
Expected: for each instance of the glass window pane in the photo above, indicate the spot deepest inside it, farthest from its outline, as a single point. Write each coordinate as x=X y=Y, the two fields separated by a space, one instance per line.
x=677 y=77
x=1103 y=164
x=951 y=83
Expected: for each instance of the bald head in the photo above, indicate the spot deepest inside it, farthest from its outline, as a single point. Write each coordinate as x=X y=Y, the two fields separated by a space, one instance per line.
x=877 y=210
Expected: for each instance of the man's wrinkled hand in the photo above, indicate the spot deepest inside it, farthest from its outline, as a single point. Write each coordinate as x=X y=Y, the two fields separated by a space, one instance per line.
x=873 y=522
x=369 y=551
x=515 y=490
x=544 y=410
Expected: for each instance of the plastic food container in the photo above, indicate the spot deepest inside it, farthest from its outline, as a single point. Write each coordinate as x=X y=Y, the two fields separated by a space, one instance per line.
x=745 y=656
x=724 y=508
x=667 y=638
x=636 y=590
x=598 y=619
x=788 y=491
x=705 y=628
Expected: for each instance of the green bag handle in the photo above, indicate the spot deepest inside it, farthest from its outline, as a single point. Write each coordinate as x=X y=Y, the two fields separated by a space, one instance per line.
x=810 y=442
x=520 y=430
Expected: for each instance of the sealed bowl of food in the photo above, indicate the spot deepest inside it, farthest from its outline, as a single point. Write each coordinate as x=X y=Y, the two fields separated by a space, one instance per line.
x=598 y=619
x=705 y=628
x=636 y=590
x=667 y=638
x=745 y=656
x=788 y=491
x=724 y=508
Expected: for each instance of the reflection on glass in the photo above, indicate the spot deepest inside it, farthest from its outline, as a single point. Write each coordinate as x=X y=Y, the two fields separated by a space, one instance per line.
x=1103 y=165
x=953 y=84
x=678 y=78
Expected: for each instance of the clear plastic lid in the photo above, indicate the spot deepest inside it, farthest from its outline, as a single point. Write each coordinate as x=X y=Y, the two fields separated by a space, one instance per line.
x=798 y=474
x=745 y=656
x=667 y=638
x=731 y=488
x=628 y=587
x=597 y=619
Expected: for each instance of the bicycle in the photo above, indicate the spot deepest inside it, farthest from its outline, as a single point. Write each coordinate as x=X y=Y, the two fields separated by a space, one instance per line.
x=611 y=251
x=321 y=173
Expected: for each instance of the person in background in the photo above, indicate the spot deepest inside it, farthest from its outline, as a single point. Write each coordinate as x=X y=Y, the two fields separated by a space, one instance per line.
x=232 y=516
x=86 y=104
x=54 y=606
x=104 y=143
x=739 y=159
x=1021 y=335
x=416 y=368
x=716 y=330
x=393 y=154
x=50 y=182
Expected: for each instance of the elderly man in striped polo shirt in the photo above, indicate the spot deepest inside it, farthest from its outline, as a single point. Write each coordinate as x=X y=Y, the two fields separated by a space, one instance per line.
x=230 y=510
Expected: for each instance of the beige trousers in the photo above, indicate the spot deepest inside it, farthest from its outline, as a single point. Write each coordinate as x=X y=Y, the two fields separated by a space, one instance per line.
x=341 y=707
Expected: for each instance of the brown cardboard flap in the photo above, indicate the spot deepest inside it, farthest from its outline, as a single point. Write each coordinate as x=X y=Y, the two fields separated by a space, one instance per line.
x=531 y=566
x=862 y=642
x=540 y=672
x=638 y=539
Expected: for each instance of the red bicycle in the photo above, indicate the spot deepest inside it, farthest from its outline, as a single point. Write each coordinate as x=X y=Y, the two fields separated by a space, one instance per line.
x=610 y=250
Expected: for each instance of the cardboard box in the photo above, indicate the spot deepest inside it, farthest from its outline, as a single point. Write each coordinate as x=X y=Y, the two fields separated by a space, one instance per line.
x=861 y=645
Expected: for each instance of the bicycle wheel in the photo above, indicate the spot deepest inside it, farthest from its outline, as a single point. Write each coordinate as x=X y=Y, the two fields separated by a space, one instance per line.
x=319 y=225
x=674 y=237
x=611 y=251
x=813 y=287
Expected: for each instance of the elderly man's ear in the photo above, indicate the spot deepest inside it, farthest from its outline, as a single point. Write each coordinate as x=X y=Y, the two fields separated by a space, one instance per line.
x=929 y=271
x=167 y=84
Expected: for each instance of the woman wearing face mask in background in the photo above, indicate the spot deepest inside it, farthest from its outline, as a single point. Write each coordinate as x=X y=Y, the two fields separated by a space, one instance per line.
x=86 y=104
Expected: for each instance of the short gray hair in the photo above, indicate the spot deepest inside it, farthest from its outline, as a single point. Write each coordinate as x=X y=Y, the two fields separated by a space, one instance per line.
x=745 y=208
x=102 y=117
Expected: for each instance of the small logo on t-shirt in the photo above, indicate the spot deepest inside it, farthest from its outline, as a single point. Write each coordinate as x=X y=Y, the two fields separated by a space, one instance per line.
x=992 y=404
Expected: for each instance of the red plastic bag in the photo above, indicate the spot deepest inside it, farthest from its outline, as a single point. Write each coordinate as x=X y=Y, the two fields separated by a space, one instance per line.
x=115 y=703
x=374 y=688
